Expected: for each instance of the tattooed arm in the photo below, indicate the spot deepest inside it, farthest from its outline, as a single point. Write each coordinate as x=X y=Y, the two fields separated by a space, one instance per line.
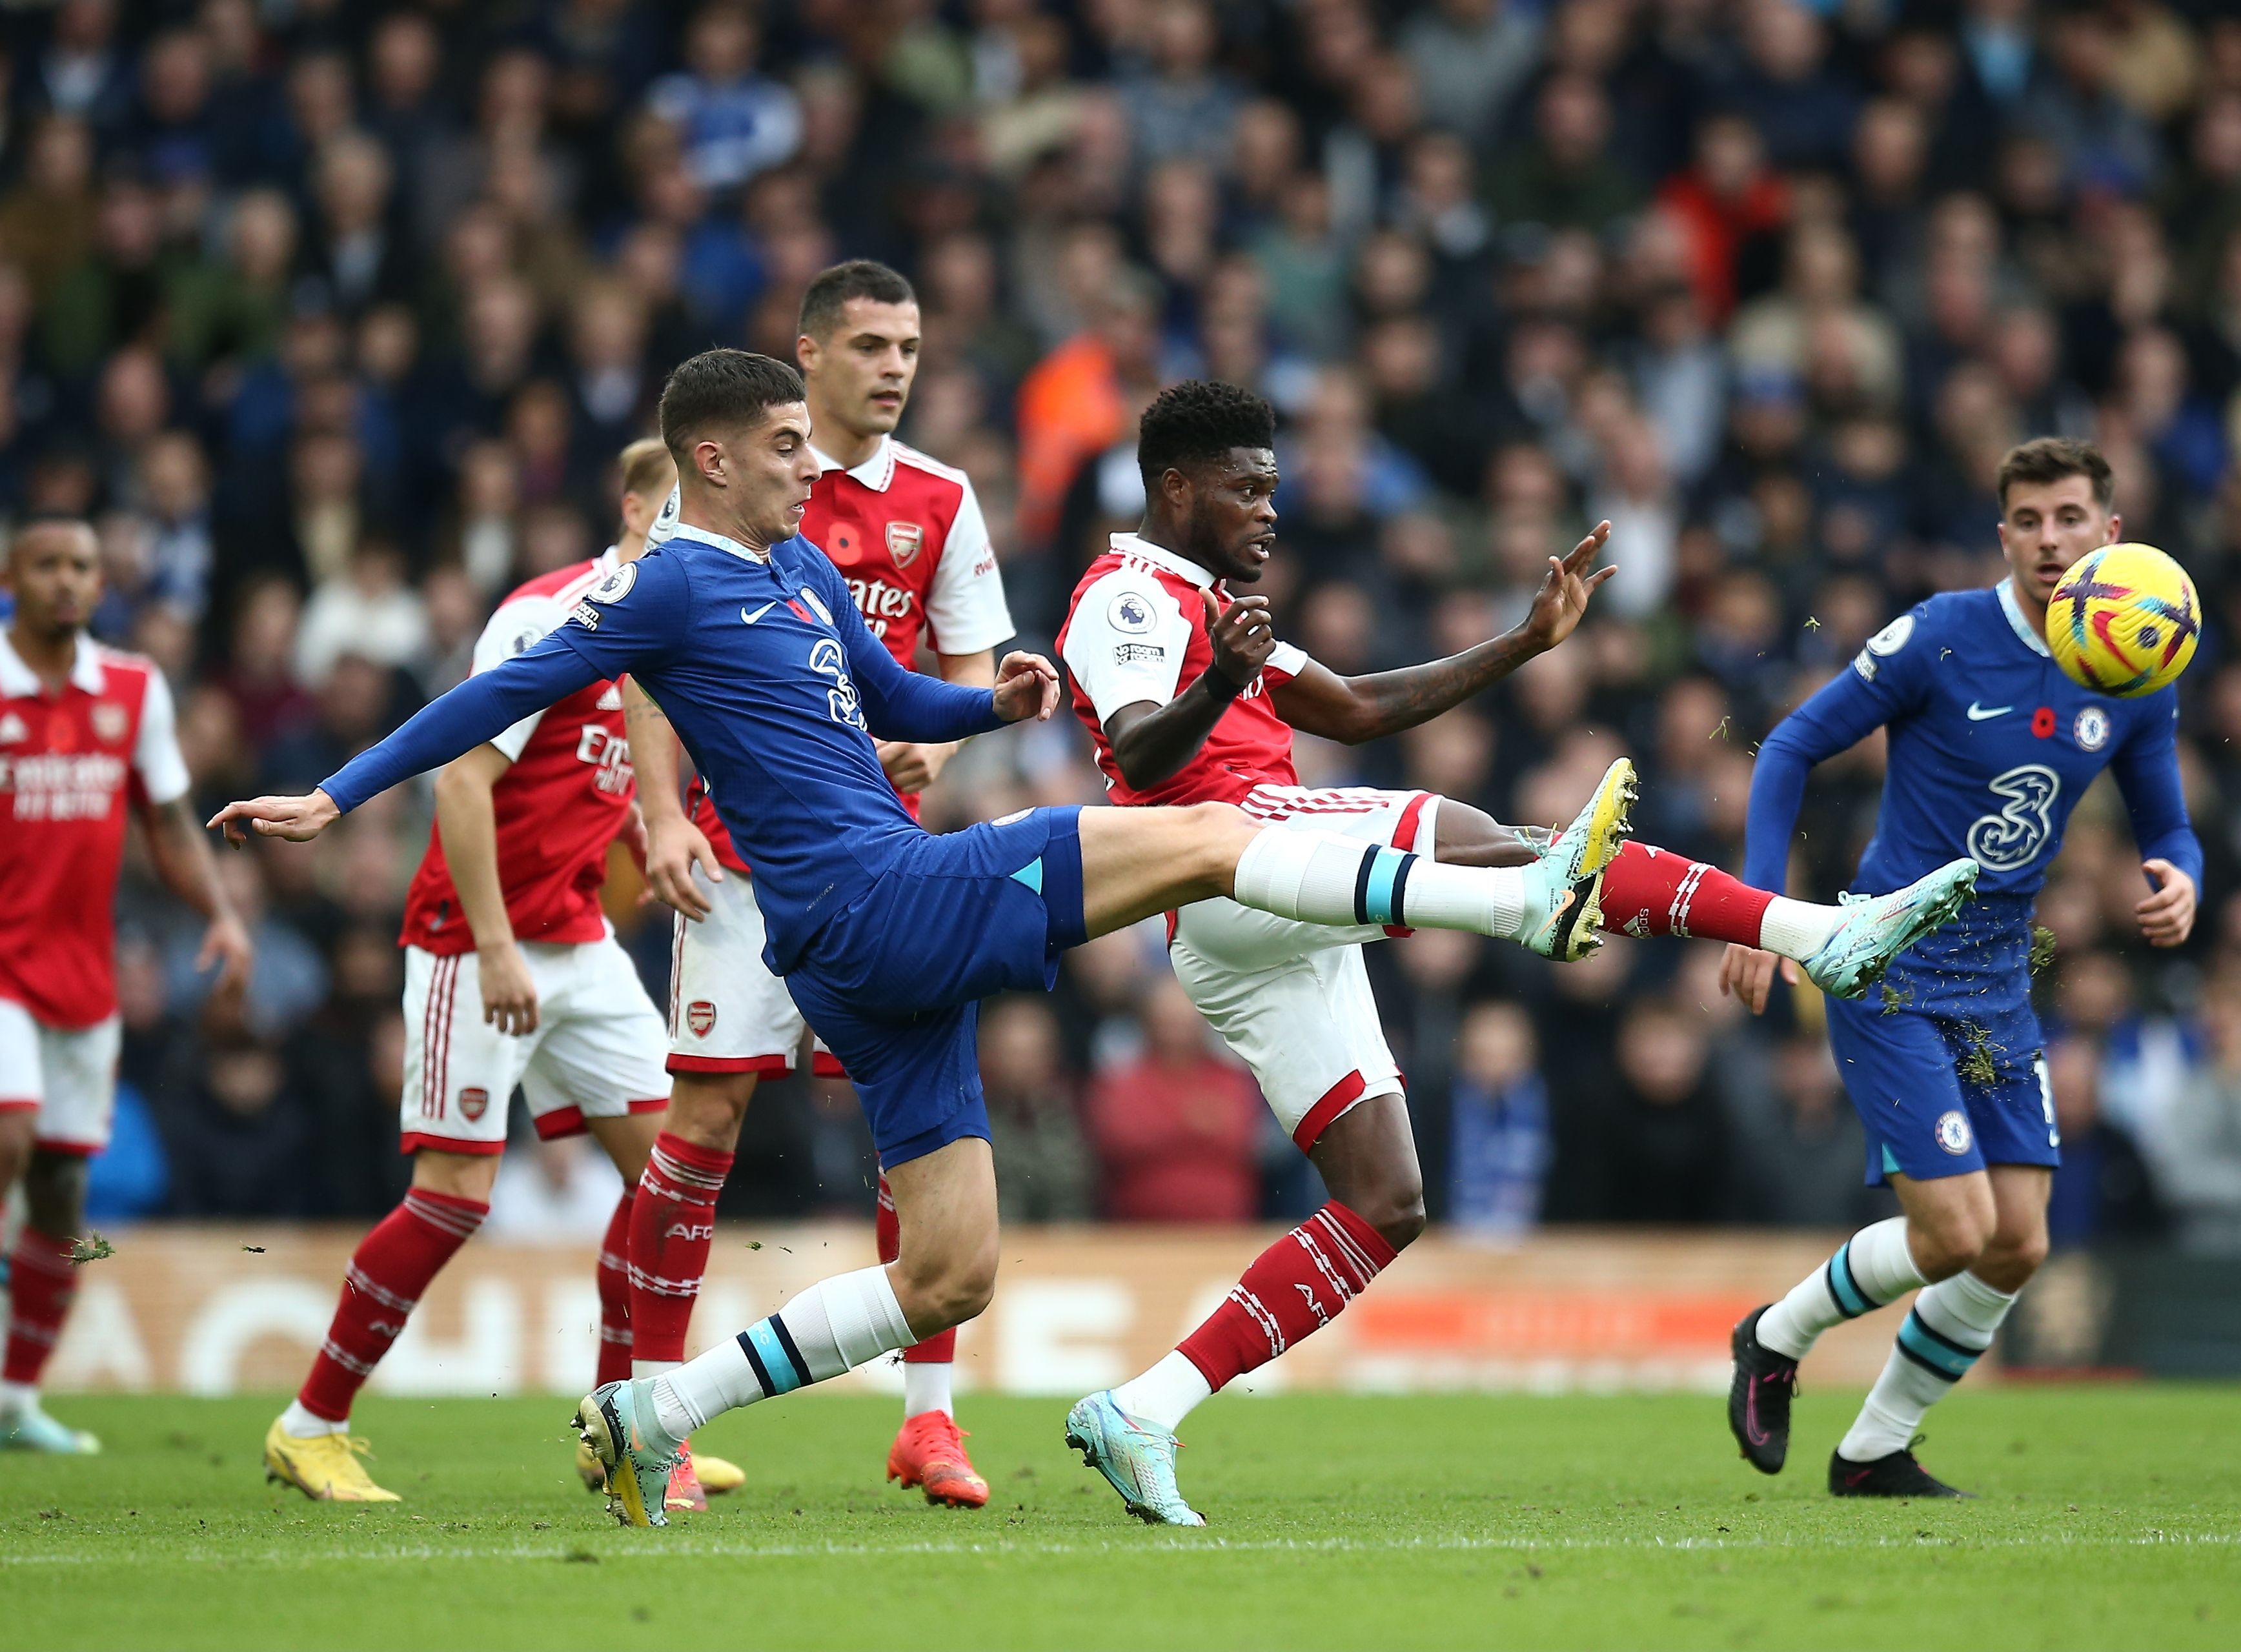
x=673 y=844
x=1354 y=709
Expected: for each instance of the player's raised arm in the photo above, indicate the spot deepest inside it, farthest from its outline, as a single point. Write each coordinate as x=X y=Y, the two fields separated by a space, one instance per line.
x=1886 y=680
x=1153 y=738
x=637 y=612
x=1354 y=709
x=912 y=766
x=476 y=711
x=901 y=705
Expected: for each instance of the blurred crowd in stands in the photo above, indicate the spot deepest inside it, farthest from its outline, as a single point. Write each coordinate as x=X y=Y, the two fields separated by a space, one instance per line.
x=332 y=315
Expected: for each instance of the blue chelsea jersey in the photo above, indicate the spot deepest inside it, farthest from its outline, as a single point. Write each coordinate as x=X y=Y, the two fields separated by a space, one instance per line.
x=764 y=668
x=766 y=672
x=1991 y=746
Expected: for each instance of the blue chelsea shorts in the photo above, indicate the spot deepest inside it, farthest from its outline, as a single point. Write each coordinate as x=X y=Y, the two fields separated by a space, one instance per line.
x=1945 y=1062
x=894 y=982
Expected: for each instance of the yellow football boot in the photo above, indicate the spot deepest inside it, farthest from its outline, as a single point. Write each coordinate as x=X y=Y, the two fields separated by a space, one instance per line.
x=325 y=1469
x=718 y=1476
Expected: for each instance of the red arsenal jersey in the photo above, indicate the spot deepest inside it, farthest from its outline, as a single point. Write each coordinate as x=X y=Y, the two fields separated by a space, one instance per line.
x=906 y=533
x=558 y=807
x=1137 y=630
x=68 y=762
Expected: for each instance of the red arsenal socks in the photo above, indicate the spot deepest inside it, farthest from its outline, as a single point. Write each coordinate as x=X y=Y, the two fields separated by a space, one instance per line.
x=390 y=1268
x=672 y=1225
x=615 y=1294
x=1649 y=891
x=1294 y=1288
x=42 y=1283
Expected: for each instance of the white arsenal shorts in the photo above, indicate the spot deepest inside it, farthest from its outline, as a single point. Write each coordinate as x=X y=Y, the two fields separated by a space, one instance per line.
x=727 y=1013
x=65 y=1074
x=596 y=1053
x=1292 y=998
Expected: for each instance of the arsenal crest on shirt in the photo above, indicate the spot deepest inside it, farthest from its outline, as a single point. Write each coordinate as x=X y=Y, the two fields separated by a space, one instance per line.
x=111 y=721
x=904 y=539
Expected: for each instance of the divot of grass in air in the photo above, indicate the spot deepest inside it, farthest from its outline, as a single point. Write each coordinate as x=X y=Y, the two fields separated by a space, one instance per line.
x=1979 y=1065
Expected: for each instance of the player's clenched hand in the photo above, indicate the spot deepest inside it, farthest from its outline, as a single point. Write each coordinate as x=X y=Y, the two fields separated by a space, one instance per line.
x=1243 y=637
x=1748 y=974
x=1561 y=601
x=509 y=995
x=298 y=820
x=226 y=943
x=2167 y=916
x=1026 y=685
x=674 y=846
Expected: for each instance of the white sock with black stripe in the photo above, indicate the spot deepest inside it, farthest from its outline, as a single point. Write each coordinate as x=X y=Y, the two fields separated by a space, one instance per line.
x=1944 y=1333
x=1870 y=1268
x=834 y=1326
x=1319 y=878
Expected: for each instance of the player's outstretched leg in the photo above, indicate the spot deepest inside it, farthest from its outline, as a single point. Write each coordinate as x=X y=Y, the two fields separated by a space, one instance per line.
x=928 y=1452
x=1844 y=949
x=946 y=1200
x=1138 y=862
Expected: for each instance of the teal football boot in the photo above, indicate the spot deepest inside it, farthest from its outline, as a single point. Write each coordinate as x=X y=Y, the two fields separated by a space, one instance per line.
x=1138 y=1459
x=1564 y=886
x=617 y=1421
x=1876 y=929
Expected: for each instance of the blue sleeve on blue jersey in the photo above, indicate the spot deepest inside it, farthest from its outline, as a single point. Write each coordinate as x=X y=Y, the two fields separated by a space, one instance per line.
x=1886 y=680
x=639 y=611
x=900 y=704
x=636 y=612
x=483 y=707
x=2146 y=767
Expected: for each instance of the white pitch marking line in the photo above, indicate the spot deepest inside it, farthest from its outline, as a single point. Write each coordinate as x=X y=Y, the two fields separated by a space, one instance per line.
x=690 y=1548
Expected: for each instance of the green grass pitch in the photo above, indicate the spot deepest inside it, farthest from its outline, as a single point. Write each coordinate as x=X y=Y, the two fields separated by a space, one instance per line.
x=2109 y=1516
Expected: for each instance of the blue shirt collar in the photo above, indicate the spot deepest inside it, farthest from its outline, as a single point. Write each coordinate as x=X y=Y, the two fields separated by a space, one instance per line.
x=709 y=537
x=2024 y=628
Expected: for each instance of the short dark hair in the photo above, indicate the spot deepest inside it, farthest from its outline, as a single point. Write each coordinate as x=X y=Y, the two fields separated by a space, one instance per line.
x=733 y=388
x=2049 y=459
x=32 y=521
x=828 y=295
x=1199 y=421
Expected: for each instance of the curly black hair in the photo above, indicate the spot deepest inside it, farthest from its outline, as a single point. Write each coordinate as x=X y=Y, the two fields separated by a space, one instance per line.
x=1198 y=420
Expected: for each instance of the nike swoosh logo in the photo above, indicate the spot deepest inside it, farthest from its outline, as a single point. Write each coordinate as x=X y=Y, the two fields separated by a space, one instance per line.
x=1979 y=713
x=758 y=613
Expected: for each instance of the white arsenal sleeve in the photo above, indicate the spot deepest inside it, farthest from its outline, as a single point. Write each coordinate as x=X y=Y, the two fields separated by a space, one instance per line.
x=1126 y=642
x=964 y=607
x=515 y=625
x=156 y=756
